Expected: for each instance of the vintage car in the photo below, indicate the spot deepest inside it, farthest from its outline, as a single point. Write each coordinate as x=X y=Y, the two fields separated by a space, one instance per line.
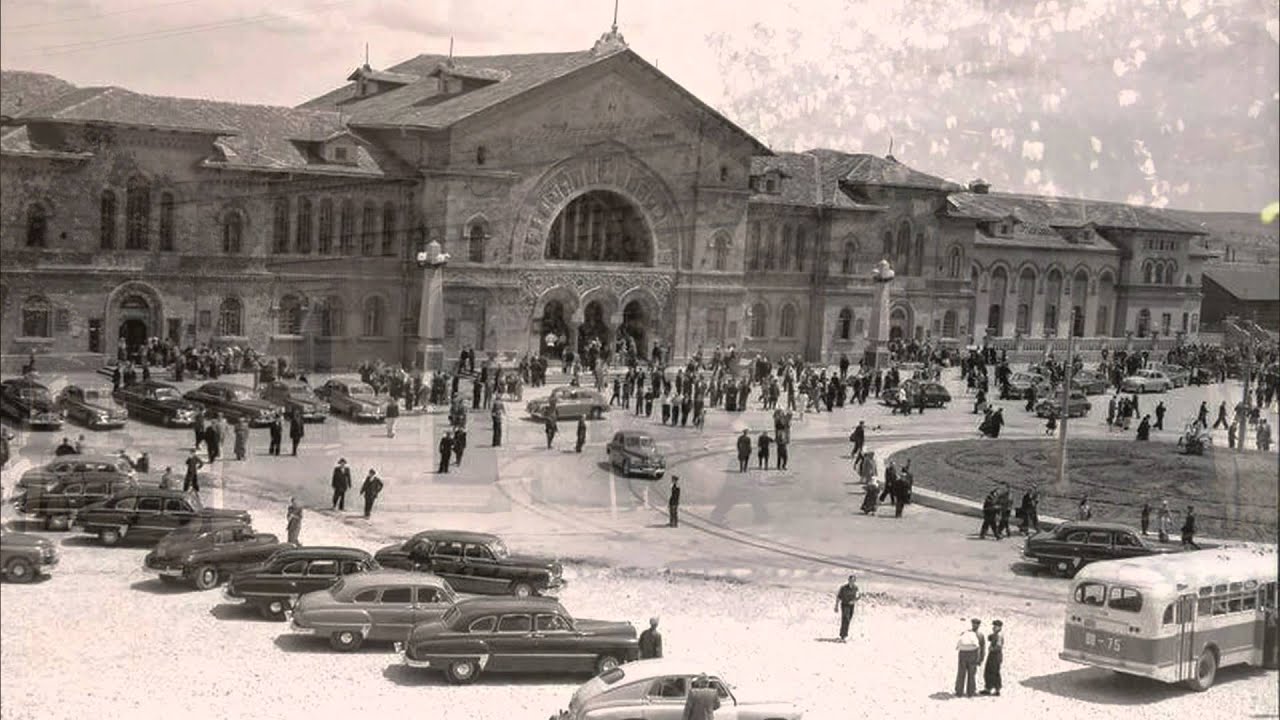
x=356 y=400
x=1072 y=545
x=55 y=501
x=659 y=689
x=1178 y=375
x=68 y=468
x=24 y=556
x=379 y=605
x=570 y=403
x=295 y=396
x=1051 y=406
x=1090 y=382
x=473 y=563
x=27 y=402
x=1145 y=381
x=204 y=554
x=935 y=394
x=1021 y=382
x=91 y=406
x=234 y=403
x=635 y=452
x=146 y=514
x=516 y=635
x=274 y=586
x=159 y=403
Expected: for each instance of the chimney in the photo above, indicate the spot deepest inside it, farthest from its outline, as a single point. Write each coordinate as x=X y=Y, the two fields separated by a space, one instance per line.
x=979 y=186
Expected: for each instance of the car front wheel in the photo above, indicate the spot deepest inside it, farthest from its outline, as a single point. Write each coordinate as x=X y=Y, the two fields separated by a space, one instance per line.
x=273 y=610
x=109 y=536
x=605 y=663
x=521 y=589
x=20 y=570
x=462 y=672
x=205 y=577
x=346 y=640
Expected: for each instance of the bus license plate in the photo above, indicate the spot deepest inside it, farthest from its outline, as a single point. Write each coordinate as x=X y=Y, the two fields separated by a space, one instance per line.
x=1103 y=643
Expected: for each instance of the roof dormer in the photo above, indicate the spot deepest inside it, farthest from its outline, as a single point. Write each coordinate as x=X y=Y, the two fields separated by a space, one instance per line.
x=768 y=182
x=456 y=79
x=339 y=148
x=370 y=82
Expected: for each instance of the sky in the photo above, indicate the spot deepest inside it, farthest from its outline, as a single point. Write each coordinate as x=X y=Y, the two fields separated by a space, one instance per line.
x=1160 y=102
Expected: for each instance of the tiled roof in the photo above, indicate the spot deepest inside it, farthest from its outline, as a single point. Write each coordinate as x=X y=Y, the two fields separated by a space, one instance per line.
x=251 y=137
x=383 y=76
x=21 y=91
x=1037 y=235
x=1063 y=212
x=814 y=179
x=874 y=170
x=1247 y=282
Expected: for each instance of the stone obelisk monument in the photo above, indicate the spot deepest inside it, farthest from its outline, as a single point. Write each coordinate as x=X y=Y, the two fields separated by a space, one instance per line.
x=877 y=352
x=430 y=355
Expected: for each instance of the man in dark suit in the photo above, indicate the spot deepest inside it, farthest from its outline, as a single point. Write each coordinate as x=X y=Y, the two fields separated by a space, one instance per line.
x=276 y=432
x=446 y=452
x=295 y=430
x=341 y=484
x=744 y=450
x=846 y=602
x=651 y=641
x=673 y=503
x=213 y=440
x=370 y=489
x=582 y=435
x=459 y=444
x=496 y=412
x=192 y=479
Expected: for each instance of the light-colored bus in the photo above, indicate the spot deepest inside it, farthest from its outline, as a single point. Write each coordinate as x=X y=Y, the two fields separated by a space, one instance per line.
x=1177 y=617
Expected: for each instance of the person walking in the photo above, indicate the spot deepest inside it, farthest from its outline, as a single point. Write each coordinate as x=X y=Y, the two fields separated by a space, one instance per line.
x=762 y=452
x=192 y=479
x=1160 y=411
x=991 y=680
x=275 y=430
x=296 y=430
x=582 y=435
x=744 y=450
x=858 y=437
x=1030 y=510
x=293 y=520
x=970 y=648
x=703 y=700
x=1145 y=517
x=846 y=602
x=197 y=428
x=459 y=444
x=1222 y=416
x=784 y=439
x=1189 y=529
x=213 y=441
x=393 y=413
x=370 y=489
x=1144 y=429
x=673 y=503
x=445 y=452
x=242 y=438
x=549 y=426
x=990 y=518
x=1084 y=511
x=496 y=411
x=1164 y=521
x=650 y=641
x=341 y=484
x=1004 y=507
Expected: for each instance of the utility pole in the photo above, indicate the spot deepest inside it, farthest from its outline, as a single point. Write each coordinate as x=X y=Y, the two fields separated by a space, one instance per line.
x=1066 y=404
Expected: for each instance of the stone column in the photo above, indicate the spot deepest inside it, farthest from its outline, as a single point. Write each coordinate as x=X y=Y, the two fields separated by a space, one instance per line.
x=575 y=325
x=615 y=332
x=877 y=352
x=430 y=352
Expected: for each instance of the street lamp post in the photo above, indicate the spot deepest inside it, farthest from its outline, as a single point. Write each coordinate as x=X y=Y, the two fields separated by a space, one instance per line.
x=1064 y=413
x=877 y=352
x=430 y=354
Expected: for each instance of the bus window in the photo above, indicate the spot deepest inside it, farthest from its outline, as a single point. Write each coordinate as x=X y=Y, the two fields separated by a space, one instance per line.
x=1235 y=603
x=1204 y=606
x=1168 y=615
x=1248 y=601
x=1220 y=605
x=1091 y=593
x=1125 y=598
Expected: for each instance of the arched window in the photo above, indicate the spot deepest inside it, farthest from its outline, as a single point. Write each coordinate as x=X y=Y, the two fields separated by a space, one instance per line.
x=1171 y=273
x=230 y=317
x=302 y=233
x=1026 y=296
x=949 y=324
x=369 y=229
x=1052 y=298
x=802 y=247
x=753 y=247
x=475 y=247
x=232 y=232
x=137 y=210
x=955 y=261
x=324 y=230
x=788 y=241
x=787 y=321
x=1189 y=281
x=759 y=320
x=1022 y=322
x=280 y=226
x=919 y=255
x=388 y=229
x=331 y=317
x=347 y=228
x=1144 y=322
x=166 y=220
x=886 y=252
x=770 y=246
x=37 y=314
x=374 y=312
x=1147 y=271
x=600 y=226
x=720 y=251
x=289 y=320
x=107 y=220
x=902 y=262
x=1195 y=322
x=848 y=260
x=844 y=324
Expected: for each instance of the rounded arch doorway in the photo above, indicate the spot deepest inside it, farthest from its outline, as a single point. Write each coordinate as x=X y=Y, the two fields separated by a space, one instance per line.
x=553 y=333
x=635 y=328
x=899 y=324
x=600 y=226
x=135 y=316
x=594 y=329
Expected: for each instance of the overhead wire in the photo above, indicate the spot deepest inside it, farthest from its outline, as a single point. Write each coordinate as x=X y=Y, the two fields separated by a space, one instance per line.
x=82 y=18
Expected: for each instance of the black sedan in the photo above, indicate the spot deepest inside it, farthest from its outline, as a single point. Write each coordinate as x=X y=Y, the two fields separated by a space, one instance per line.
x=295 y=396
x=158 y=403
x=234 y=402
x=29 y=403
x=1072 y=545
x=274 y=586
x=92 y=406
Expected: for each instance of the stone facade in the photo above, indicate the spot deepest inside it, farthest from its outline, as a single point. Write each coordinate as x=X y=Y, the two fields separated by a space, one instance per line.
x=582 y=194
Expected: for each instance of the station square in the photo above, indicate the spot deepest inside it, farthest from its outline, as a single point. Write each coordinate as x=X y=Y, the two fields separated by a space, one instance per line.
x=462 y=232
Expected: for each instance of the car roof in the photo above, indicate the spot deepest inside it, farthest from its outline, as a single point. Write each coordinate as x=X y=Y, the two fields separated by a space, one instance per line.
x=378 y=578
x=324 y=553
x=88 y=386
x=207 y=526
x=147 y=384
x=507 y=604
x=151 y=491
x=222 y=384
x=1089 y=525
x=27 y=382
x=87 y=457
x=641 y=670
x=458 y=535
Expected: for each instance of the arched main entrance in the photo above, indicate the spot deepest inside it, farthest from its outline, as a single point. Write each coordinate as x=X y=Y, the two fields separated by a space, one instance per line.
x=593 y=327
x=135 y=314
x=635 y=325
x=899 y=323
x=600 y=226
x=553 y=333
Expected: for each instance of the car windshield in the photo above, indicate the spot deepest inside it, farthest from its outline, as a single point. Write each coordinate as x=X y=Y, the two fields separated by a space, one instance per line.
x=499 y=549
x=298 y=389
x=94 y=395
x=166 y=393
x=360 y=390
x=239 y=394
x=639 y=441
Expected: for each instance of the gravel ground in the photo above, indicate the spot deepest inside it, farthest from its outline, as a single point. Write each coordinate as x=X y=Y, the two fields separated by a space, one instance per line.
x=93 y=641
